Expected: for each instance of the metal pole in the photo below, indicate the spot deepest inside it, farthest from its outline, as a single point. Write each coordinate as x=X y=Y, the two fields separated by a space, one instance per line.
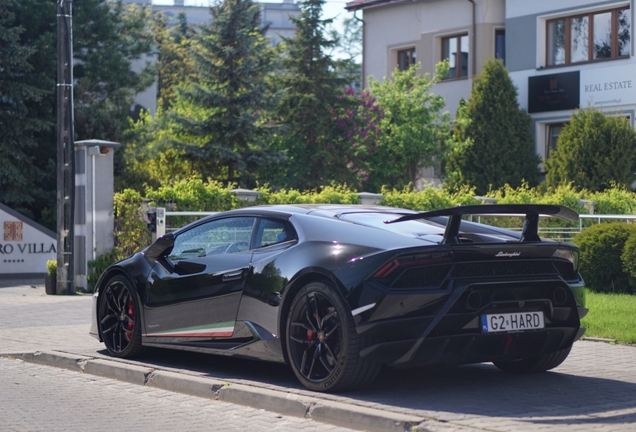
x=65 y=150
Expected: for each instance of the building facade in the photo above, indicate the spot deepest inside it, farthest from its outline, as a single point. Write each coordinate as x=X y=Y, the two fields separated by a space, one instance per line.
x=561 y=54
x=399 y=33
x=570 y=54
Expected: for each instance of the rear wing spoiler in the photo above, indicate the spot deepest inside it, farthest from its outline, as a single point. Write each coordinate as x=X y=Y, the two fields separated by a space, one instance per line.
x=529 y=233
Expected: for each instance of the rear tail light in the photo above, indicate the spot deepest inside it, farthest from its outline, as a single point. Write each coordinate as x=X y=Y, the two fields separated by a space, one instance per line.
x=413 y=261
x=568 y=254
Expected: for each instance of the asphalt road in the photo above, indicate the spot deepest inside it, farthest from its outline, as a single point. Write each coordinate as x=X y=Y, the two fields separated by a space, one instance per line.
x=595 y=389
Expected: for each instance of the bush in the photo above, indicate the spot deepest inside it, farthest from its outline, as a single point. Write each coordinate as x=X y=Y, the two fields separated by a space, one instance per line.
x=431 y=198
x=629 y=261
x=51 y=267
x=601 y=265
x=492 y=142
x=594 y=152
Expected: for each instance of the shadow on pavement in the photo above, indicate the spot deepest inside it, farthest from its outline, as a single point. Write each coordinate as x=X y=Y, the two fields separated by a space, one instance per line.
x=463 y=390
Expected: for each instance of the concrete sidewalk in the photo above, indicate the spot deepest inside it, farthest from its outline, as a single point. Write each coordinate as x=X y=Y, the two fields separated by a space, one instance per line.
x=594 y=389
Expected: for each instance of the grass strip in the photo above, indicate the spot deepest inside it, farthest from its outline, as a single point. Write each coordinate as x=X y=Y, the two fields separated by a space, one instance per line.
x=611 y=316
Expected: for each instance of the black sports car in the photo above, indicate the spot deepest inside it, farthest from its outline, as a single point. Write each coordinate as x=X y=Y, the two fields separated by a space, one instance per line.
x=338 y=291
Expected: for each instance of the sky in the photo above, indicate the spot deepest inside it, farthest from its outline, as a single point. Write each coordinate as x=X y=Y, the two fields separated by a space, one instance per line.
x=332 y=9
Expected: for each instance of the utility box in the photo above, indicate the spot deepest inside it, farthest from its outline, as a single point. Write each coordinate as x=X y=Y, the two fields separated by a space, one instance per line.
x=94 y=190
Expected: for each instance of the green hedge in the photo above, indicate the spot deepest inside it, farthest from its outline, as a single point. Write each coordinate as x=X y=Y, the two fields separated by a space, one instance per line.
x=603 y=253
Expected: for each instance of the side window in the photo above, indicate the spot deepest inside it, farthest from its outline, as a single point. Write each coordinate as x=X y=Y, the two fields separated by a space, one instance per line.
x=221 y=236
x=272 y=231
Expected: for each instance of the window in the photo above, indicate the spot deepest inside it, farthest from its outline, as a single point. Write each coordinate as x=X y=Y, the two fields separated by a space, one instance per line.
x=220 y=236
x=500 y=45
x=455 y=49
x=406 y=58
x=590 y=37
x=271 y=231
x=554 y=130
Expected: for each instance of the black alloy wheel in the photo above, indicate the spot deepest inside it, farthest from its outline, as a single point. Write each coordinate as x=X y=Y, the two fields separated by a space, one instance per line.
x=322 y=344
x=119 y=320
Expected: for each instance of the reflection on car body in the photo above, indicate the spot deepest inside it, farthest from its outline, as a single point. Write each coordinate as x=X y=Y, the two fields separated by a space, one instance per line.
x=337 y=291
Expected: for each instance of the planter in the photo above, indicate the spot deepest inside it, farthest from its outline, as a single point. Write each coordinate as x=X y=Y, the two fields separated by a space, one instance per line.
x=50 y=284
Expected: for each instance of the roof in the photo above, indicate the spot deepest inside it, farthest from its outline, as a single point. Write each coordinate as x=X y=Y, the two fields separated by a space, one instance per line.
x=367 y=4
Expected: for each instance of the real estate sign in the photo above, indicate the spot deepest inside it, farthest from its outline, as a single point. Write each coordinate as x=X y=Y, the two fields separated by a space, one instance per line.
x=610 y=86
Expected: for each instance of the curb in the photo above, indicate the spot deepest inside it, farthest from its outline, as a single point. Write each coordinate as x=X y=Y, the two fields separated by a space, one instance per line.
x=320 y=410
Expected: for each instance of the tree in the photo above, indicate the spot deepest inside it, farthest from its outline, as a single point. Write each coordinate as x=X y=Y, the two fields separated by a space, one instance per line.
x=593 y=152
x=313 y=95
x=349 y=46
x=221 y=114
x=176 y=63
x=413 y=127
x=17 y=129
x=107 y=37
x=493 y=143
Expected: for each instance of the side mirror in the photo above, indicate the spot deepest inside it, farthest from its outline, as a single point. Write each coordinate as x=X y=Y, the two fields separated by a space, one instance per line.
x=160 y=248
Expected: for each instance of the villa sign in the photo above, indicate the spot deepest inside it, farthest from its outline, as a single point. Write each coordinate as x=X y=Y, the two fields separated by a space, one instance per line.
x=25 y=246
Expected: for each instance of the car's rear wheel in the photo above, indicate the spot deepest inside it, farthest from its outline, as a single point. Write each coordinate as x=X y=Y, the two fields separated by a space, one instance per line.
x=322 y=344
x=119 y=318
x=541 y=363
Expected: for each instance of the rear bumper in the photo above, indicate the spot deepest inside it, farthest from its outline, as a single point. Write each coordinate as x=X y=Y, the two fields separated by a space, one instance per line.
x=444 y=326
x=471 y=348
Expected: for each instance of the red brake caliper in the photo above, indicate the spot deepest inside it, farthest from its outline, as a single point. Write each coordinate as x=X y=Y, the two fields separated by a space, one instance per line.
x=311 y=333
x=131 y=323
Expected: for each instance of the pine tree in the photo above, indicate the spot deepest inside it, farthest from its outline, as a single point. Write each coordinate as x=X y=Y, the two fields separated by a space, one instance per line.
x=176 y=63
x=593 y=152
x=496 y=146
x=221 y=114
x=17 y=129
x=313 y=94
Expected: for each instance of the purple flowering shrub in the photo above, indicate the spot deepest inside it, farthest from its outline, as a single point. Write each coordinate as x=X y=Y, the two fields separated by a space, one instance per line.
x=361 y=131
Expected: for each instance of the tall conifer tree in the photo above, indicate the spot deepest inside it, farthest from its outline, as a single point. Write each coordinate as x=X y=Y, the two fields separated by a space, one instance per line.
x=496 y=146
x=313 y=92
x=221 y=113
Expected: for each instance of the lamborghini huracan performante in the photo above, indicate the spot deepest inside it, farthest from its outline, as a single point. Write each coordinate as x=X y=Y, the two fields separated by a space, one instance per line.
x=339 y=291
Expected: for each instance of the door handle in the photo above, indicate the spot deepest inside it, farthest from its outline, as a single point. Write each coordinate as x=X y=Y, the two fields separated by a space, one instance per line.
x=232 y=275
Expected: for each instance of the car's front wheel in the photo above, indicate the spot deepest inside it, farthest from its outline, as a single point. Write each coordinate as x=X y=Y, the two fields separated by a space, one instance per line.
x=119 y=318
x=541 y=363
x=322 y=344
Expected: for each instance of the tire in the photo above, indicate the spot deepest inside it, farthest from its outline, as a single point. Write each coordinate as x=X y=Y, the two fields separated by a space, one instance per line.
x=542 y=363
x=119 y=319
x=322 y=345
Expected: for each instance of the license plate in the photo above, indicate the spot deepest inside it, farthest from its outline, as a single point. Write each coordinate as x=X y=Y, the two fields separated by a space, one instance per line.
x=508 y=322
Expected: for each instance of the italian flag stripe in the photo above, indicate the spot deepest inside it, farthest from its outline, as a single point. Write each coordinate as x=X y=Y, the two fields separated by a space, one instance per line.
x=214 y=330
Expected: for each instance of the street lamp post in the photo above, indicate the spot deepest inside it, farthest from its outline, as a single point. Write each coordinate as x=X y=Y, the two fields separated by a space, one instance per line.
x=65 y=150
